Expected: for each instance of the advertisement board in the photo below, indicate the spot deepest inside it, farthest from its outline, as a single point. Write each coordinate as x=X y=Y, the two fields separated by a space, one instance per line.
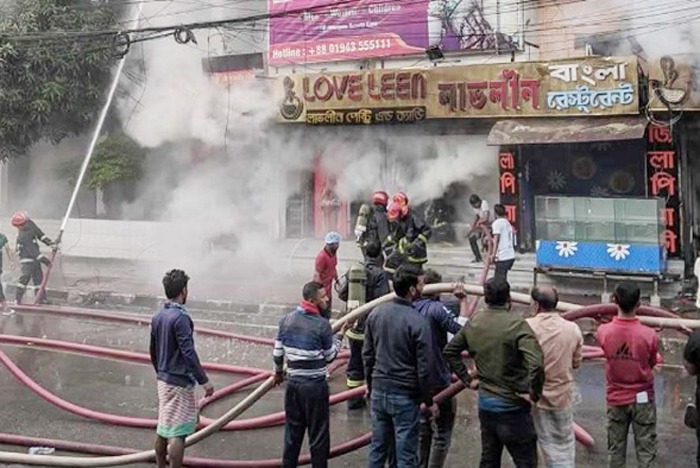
x=576 y=87
x=312 y=31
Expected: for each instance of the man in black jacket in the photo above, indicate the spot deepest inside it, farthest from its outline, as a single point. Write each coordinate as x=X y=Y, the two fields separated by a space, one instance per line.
x=398 y=354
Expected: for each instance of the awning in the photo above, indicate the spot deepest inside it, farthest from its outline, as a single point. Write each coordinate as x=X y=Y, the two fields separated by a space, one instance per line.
x=566 y=130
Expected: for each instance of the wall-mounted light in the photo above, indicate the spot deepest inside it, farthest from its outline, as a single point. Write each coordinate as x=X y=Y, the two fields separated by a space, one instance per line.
x=434 y=53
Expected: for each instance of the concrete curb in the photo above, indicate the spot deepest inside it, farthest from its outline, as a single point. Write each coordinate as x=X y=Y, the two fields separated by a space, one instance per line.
x=148 y=301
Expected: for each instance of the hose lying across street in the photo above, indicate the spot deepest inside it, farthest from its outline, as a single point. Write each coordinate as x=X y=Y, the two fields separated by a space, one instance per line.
x=113 y=456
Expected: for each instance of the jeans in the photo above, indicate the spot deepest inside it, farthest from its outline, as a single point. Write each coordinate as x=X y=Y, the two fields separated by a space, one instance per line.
x=395 y=416
x=514 y=430
x=502 y=268
x=306 y=407
x=474 y=240
x=555 y=436
x=642 y=417
x=435 y=436
x=697 y=427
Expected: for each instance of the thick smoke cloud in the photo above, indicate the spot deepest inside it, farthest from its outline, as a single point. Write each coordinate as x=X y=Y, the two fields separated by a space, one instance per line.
x=220 y=164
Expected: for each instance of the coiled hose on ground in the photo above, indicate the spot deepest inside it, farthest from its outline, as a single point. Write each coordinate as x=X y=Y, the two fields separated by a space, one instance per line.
x=119 y=456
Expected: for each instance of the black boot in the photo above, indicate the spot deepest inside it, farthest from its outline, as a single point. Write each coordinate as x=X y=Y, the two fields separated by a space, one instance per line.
x=357 y=402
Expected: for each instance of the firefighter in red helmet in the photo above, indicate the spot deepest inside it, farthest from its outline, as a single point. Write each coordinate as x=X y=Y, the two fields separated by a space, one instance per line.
x=372 y=225
x=409 y=235
x=30 y=257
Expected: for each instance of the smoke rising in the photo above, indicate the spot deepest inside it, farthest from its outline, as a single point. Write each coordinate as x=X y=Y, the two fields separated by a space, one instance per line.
x=220 y=165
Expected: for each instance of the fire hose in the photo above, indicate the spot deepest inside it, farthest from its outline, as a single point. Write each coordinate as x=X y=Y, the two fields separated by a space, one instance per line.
x=591 y=311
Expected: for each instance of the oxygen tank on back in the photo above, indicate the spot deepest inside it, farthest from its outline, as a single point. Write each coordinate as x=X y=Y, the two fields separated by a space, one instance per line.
x=362 y=220
x=357 y=286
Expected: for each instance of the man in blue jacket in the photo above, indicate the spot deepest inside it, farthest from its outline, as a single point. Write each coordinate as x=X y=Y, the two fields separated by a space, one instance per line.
x=435 y=436
x=178 y=369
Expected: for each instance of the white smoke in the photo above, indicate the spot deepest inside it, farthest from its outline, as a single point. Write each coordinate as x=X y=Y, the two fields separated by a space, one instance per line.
x=251 y=165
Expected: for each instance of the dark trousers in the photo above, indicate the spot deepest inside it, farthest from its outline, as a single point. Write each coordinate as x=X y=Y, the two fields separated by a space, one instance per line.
x=29 y=270
x=435 y=436
x=306 y=407
x=642 y=418
x=502 y=268
x=474 y=241
x=514 y=430
x=355 y=372
x=697 y=427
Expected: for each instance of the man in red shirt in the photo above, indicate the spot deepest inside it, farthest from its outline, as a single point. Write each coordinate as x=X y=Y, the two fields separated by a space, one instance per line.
x=325 y=271
x=631 y=352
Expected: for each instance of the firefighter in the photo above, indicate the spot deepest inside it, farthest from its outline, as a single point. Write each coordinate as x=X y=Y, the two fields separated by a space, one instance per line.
x=408 y=237
x=30 y=257
x=375 y=285
x=372 y=225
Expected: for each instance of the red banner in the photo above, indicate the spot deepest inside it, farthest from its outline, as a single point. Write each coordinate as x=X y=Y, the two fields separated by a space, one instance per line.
x=662 y=181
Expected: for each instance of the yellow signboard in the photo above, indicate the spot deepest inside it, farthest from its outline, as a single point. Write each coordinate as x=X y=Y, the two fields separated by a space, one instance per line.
x=576 y=87
x=672 y=83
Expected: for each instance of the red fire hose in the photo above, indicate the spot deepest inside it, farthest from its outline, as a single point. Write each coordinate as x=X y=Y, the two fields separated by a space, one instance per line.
x=343 y=448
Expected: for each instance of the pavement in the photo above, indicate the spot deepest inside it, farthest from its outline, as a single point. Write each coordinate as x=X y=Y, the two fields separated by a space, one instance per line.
x=129 y=389
x=250 y=297
x=228 y=280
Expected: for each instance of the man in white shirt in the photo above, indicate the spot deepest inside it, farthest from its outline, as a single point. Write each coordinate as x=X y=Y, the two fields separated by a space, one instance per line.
x=503 y=255
x=481 y=207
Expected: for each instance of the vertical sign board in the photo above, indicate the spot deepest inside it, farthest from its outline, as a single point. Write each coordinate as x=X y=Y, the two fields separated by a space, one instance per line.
x=508 y=185
x=663 y=181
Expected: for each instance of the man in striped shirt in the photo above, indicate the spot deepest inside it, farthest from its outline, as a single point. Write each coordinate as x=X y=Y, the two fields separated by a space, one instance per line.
x=308 y=342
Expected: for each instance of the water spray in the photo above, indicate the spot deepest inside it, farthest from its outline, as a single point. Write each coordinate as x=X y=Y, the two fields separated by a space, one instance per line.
x=87 y=159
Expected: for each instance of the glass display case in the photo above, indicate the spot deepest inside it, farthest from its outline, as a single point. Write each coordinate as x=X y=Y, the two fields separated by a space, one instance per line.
x=602 y=234
x=610 y=220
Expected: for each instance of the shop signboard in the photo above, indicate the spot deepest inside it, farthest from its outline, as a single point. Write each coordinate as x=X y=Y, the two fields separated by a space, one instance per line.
x=663 y=181
x=577 y=87
x=672 y=83
x=313 y=31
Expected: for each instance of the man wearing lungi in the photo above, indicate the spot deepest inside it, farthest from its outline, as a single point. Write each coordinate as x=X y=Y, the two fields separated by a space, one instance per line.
x=178 y=371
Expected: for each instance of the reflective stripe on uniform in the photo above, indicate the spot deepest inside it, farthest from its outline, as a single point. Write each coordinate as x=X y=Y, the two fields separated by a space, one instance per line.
x=355 y=383
x=355 y=335
x=27 y=260
x=417 y=259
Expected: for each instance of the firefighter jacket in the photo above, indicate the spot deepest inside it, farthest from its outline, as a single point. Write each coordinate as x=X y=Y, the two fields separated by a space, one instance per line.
x=378 y=226
x=411 y=235
x=27 y=246
x=377 y=286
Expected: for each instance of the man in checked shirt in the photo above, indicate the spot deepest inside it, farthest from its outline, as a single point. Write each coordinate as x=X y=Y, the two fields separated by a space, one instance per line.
x=307 y=340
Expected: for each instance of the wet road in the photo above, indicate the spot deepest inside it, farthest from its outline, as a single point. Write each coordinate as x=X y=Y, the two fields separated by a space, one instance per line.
x=129 y=389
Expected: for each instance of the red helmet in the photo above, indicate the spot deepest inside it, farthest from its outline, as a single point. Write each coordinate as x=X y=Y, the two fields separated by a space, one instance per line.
x=19 y=219
x=394 y=211
x=380 y=198
x=402 y=199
